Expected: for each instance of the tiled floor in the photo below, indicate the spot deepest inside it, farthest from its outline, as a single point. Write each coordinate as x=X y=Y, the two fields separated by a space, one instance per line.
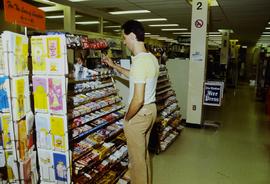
x=237 y=153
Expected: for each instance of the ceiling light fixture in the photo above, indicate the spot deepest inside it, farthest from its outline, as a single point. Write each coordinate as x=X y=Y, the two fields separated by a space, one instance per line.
x=214 y=33
x=163 y=25
x=129 y=12
x=147 y=33
x=50 y=8
x=266 y=33
x=175 y=29
x=112 y=26
x=152 y=35
x=152 y=20
x=267 y=28
x=87 y=22
x=59 y=16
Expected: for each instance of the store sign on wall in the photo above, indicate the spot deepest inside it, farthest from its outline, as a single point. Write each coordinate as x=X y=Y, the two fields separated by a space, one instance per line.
x=21 y=13
x=213 y=93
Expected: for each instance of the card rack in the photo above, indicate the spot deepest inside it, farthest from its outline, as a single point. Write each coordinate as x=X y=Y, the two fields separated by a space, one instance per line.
x=17 y=148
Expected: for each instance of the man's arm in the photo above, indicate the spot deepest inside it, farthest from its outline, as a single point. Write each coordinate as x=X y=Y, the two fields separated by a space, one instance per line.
x=137 y=101
x=120 y=69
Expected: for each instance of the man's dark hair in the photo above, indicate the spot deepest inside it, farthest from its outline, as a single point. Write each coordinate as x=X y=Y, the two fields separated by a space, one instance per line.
x=133 y=26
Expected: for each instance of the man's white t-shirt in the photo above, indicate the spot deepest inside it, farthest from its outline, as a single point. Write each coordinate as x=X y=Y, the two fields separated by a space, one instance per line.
x=144 y=69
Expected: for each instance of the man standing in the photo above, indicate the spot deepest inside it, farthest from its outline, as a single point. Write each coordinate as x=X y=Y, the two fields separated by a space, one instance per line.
x=142 y=111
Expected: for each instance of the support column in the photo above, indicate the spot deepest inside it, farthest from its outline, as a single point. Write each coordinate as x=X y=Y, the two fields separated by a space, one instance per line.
x=198 y=53
x=224 y=52
x=100 y=28
x=69 y=26
x=69 y=19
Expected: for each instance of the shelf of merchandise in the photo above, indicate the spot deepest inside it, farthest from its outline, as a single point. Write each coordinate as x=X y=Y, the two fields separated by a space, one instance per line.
x=77 y=119
x=169 y=118
x=17 y=149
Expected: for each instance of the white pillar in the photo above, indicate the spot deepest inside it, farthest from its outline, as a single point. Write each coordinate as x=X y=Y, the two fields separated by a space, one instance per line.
x=198 y=53
x=224 y=52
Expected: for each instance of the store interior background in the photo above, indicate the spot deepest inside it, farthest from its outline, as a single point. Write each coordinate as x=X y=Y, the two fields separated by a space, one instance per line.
x=249 y=22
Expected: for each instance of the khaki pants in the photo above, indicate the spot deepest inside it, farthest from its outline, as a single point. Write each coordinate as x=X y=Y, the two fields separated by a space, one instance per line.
x=137 y=131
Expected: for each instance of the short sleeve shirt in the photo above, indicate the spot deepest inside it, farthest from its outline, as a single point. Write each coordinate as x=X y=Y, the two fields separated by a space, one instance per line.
x=144 y=69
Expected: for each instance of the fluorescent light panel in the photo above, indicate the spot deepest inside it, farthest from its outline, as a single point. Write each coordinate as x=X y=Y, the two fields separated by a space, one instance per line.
x=175 y=29
x=152 y=19
x=112 y=26
x=214 y=35
x=151 y=35
x=49 y=9
x=163 y=25
x=266 y=33
x=267 y=28
x=147 y=33
x=87 y=22
x=59 y=16
x=129 y=12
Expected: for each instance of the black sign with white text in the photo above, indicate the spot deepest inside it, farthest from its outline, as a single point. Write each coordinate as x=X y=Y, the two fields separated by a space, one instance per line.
x=213 y=93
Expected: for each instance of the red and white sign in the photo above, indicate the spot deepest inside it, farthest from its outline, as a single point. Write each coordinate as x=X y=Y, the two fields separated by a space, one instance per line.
x=199 y=23
x=21 y=13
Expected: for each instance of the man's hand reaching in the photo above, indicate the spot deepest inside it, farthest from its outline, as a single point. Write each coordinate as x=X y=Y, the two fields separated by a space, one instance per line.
x=105 y=59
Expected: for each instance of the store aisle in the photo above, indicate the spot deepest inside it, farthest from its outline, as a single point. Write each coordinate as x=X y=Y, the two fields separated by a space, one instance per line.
x=237 y=153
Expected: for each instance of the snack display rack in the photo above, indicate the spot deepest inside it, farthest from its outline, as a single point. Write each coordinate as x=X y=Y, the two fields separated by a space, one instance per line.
x=17 y=149
x=79 y=123
x=168 y=124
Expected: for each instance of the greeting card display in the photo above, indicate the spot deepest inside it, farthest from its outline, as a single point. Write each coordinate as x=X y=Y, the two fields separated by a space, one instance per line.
x=60 y=167
x=46 y=165
x=58 y=130
x=22 y=139
x=43 y=131
x=16 y=117
x=30 y=130
x=3 y=67
x=49 y=55
x=16 y=45
x=38 y=55
x=7 y=131
x=40 y=91
x=56 y=54
x=4 y=94
x=3 y=168
x=57 y=98
x=12 y=170
x=26 y=170
x=20 y=97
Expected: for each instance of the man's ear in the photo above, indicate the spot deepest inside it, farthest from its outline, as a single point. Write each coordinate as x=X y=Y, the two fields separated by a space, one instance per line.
x=133 y=36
